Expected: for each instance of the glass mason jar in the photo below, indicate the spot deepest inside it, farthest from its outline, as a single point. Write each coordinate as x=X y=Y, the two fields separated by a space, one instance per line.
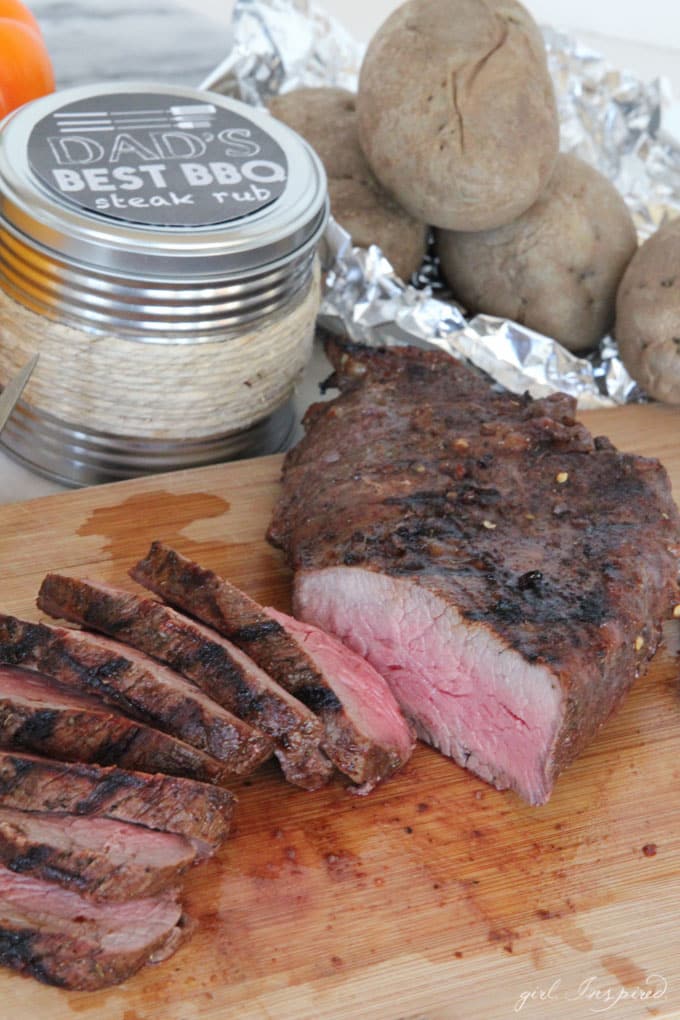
x=158 y=250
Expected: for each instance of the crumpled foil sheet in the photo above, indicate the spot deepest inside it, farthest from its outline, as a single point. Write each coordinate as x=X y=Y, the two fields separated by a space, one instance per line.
x=608 y=117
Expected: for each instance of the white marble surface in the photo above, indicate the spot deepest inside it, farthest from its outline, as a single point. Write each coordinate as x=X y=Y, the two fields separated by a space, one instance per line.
x=182 y=41
x=655 y=22
x=160 y=40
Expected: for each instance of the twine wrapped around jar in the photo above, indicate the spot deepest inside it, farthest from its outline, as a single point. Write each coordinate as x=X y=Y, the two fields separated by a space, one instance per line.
x=118 y=385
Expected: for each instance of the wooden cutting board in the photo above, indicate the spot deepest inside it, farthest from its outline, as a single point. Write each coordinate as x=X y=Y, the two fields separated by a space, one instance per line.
x=434 y=898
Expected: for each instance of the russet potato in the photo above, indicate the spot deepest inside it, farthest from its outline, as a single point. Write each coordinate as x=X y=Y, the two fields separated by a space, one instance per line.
x=456 y=109
x=556 y=268
x=648 y=315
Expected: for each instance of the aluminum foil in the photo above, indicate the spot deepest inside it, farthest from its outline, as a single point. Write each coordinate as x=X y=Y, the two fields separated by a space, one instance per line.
x=613 y=120
x=608 y=117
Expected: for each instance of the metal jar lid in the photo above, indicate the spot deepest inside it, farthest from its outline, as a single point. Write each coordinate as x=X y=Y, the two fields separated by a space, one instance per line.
x=155 y=211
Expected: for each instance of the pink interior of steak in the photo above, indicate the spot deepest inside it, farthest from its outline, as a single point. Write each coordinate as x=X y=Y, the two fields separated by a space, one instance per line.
x=31 y=688
x=119 y=841
x=365 y=696
x=469 y=695
x=128 y=926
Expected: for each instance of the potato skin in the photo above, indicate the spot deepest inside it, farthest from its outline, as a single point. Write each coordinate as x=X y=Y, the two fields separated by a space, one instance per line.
x=326 y=118
x=648 y=315
x=557 y=267
x=457 y=113
x=371 y=217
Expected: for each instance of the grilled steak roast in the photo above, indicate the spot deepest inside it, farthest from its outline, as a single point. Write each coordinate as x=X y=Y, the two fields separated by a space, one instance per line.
x=98 y=857
x=506 y=572
x=37 y=715
x=366 y=736
x=202 y=656
x=137 y=685
x=64 y=939
x=197 y=811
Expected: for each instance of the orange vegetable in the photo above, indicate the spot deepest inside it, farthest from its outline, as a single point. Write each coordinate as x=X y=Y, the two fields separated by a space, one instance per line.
x=25 y=66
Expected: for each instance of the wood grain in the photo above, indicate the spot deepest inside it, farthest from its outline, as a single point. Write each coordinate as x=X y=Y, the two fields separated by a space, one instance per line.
x=436 y=897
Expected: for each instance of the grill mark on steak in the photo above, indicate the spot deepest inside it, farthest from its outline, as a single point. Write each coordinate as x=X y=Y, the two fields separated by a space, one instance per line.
x=349 y=741
x=37 y=728
x=321 y=700
x=136 y=685
x=243 y=635
x=236 y=616
x=35 y=861
x=100 y=857
x=37 y=715
x=63 y=939
x=197 y=811
x=205 y=658
x=21 y=950
x=495 y=516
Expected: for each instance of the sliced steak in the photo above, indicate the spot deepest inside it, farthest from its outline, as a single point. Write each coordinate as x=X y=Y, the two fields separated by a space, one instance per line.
x=64 y=939
x=506 y=572
x=99 y=857
x=37 y=715
x=197 y=811
x=137 y=685
x=366 y=736
x=202 y=656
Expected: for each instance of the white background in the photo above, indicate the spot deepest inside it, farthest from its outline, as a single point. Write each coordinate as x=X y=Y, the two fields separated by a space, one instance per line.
x=642 y=35
x=652 y=21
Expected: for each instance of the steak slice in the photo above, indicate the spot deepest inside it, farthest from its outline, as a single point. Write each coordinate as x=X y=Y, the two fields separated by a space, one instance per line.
x=507 y=573
x=64 y=939
x=99 y=857
x=136 y=685
x=37 y=715
x=197 y=811
x=366 y=737
x=202 y=656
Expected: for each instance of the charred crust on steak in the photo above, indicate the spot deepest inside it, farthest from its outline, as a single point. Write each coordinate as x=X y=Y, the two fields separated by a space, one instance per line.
x=256 y=631
x=35 y=859
x=19 y=639
x=18 y=642
x=503 y=507
x=110 y=786
x=18 y=767
x=37 y=727
x=320 y=699
x=28 y=861
x=531 y=581
x=208 y=656
x=113 y=752
x=17 y=950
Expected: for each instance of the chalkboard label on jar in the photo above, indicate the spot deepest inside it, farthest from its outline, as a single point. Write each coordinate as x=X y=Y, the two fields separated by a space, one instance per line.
x=157 y=159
